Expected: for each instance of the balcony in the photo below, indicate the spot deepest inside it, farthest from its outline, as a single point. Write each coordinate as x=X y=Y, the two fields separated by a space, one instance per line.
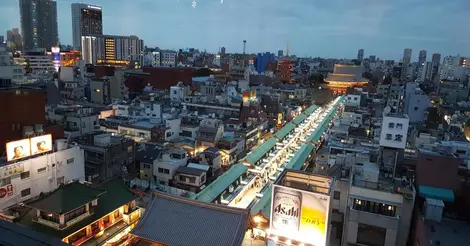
x=373 y=219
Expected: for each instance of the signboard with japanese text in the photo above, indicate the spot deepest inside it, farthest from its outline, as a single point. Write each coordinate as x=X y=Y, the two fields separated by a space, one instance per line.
x=10 y=170
x=300 y=215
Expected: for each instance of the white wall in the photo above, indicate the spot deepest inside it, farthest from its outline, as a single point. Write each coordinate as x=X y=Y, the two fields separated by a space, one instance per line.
x=56 y=165
x=389 y=126
x=352 y=100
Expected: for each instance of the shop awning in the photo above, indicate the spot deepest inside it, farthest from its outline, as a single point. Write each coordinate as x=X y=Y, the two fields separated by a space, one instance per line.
x=436 y=193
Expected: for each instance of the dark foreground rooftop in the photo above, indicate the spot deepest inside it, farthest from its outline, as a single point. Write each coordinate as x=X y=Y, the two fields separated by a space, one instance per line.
x=182 y=222
x=12 y=234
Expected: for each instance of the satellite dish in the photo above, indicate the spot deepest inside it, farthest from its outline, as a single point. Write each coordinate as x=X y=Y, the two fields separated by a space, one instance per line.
x=387 y=110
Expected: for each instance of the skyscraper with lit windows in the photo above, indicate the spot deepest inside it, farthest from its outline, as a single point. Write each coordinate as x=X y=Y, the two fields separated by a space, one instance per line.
x=39 y=24
x=87 y=20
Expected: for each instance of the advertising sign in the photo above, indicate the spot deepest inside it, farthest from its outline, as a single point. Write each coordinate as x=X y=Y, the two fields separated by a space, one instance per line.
x=299 y=215
x=18 y=149
x=6 y=191
x=41 y=144
x=10 y=170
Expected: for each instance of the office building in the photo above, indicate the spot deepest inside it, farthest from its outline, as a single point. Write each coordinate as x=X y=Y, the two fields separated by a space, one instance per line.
x=222 y=51
x=110 y=50
x=416 y=103
x=360 y=55
x=87 y=20
x=39 y=24
x=262 y=61
x=422 y=57
x=436 y=58
x=280 y=53
x=14 y=40
x=36 y=62
x=425 y=72
x=168 y=58
x=407 y=56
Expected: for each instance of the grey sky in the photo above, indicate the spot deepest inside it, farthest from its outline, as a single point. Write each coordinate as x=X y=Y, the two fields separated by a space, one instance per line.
x=332 y=28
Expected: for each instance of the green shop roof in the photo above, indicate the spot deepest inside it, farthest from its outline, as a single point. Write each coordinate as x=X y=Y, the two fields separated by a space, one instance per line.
x=256 y=154
x=215 y=188
x=436 y=193
x=264 y=204
x=283 y=132
x=299 y=119
x=299 y=158
x=310 y=110
x=113 y=194
x=67 y=198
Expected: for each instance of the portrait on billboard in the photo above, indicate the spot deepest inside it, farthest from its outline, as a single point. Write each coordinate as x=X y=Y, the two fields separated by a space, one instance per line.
x=41 y=144
x=18 y=149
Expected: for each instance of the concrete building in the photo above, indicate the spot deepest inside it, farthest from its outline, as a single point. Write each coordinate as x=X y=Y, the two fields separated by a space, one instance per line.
x=352 y=100
x=107 y=156
x=416 y=103
x=39 y=24
x=110 y=50
x=36 y=62
x=425 y=72
x=100 y=90
x=360 y=55
x=262 y=61
x=394 y=130
x=87 y=20
x=210 y=132
x=407 y=56
x=179 y=92
x=14 y=40
x=77 y=121
x=164 y=168
x=42 y=174
x=168 y=58
x=422 y=57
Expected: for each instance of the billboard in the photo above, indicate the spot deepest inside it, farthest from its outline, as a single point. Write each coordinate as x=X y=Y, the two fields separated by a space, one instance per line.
x=41 y=144
x=18 y=149
x=6 y=191
x=299 y=215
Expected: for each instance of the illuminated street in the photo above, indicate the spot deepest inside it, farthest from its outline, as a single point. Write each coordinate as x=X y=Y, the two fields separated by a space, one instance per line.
x=273 y=164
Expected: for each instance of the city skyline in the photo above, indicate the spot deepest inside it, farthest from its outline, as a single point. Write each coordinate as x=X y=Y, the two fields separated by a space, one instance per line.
x=334 y=29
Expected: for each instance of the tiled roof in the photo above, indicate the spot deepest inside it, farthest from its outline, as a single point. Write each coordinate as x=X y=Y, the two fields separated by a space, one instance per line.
x=67 y=198
x=284 y=131
x=19 y=235
x=259 y=152
x=299 y=158
x=215 y=188
x=172 y=220
x=190 y=171
x=116 y=194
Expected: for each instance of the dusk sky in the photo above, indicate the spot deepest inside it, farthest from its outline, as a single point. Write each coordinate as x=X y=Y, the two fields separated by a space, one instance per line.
x=326 y=28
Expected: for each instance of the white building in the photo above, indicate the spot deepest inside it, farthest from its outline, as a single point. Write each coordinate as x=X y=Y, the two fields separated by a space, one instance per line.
x=179 y=92
x=164 y=169
x=168 y=58
x=151 y=110
x=86 y=20
x=38 y=61
x=425 y=72
x=394 y=130
x=352 y=100
x=42 y=174
x=78 y=121
x=13 y=72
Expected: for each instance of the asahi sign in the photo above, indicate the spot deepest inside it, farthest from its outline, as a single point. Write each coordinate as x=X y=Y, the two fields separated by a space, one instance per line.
x=299 y=215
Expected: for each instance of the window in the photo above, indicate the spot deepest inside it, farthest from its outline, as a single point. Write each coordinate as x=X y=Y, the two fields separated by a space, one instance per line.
x=26 y=192
x=416 y=108
x=375 y=207
x=192 y=180
x=399 y=126
x=60 y=180
x=166 y=171
x=371 y=235
x=398 y=137
x=24 y=175
x=336 y=195
x=146 y=166
x=355 y=99
x=5 y=181
x=388 y=137
x=42 y=169
x=203 y=179
x=71 y=160
x=391 y=125
x=129 y=149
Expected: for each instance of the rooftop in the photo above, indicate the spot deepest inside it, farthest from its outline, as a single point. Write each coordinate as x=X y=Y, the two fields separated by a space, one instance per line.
x=448 y=232
x=116 y=194
x=184 y=222
x=190 y=171
x=19 y=235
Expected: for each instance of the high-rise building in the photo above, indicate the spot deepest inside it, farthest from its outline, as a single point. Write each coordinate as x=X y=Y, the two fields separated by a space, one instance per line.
x=360 y=55
x=436 y=58
x=372 y=58
x=87 y=20
x=39 y=24
x=422 y=57
x=2 y=39
x=407 y=56
x=112 y=50
x=222 y=51
x=14 y=39
x=262 y=61
x=280 y=53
